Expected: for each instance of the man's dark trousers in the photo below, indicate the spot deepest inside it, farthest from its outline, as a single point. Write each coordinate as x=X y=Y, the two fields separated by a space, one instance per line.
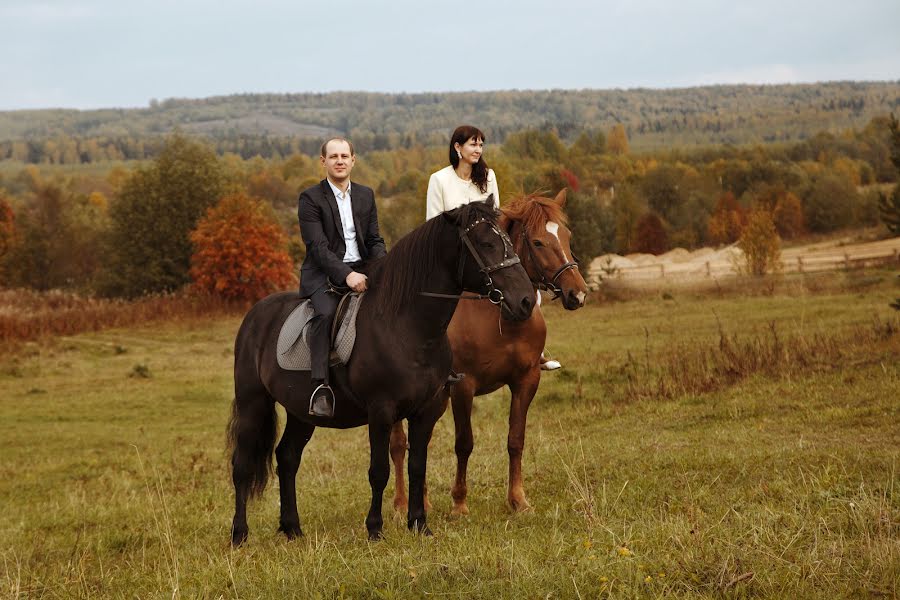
x=325 y=304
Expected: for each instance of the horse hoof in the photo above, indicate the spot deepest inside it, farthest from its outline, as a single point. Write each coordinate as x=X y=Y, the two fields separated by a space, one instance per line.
x=375 y=535
x=521 y=506
x=459 y=510
x=419 y=527
x=291 y=532
x=238 y=538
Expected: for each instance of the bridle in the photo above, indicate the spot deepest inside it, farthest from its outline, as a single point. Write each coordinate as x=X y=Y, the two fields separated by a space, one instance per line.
x=510 y=258
x=550 y=285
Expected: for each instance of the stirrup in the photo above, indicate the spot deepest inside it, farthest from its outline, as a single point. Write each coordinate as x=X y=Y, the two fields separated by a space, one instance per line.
x=321 y=402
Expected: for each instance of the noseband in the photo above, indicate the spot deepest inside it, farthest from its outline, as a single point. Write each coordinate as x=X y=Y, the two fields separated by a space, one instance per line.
x=510 y=258
x=550 y=285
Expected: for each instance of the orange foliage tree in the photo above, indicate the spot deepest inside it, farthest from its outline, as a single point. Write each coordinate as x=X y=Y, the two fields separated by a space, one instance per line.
x=650 y=235
x=7 y=231
x=727 y=221
x=240 y=251
x=788 y=216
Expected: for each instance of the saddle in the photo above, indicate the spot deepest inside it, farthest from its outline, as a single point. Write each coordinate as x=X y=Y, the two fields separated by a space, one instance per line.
x=293 y=349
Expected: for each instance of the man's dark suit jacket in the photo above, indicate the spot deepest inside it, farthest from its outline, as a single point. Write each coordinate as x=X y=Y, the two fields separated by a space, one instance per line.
x=323 y=234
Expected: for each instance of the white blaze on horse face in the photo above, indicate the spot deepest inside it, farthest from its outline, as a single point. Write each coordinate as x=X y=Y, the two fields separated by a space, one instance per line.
x=553 y=228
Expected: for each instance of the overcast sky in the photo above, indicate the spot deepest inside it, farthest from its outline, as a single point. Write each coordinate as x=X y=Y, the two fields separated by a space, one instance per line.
x=123 y=53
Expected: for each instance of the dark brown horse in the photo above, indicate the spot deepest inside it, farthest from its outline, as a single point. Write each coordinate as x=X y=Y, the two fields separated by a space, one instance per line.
x=492 y=356
x=400 y=362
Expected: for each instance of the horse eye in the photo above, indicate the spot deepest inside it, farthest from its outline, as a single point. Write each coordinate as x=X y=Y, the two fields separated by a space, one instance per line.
x=538 y=244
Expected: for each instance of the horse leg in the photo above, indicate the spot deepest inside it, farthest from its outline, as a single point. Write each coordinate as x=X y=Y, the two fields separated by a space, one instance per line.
x=420 y=430
x=379 y=472
x=462 y=420
x=251 y=435
x=289 y=453
x=399 y=444
x=522 y=394
x=398 y=456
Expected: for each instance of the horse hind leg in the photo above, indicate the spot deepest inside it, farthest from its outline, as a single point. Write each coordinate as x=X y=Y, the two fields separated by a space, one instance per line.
x=398 y=447
x=251 y=436
x=522 y=394
x=289 y=454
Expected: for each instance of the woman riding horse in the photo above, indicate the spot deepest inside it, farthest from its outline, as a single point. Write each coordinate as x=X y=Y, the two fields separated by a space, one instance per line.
x=492 y=356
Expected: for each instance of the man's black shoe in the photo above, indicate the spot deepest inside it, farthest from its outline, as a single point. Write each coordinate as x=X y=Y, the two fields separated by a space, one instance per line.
x=321 y=403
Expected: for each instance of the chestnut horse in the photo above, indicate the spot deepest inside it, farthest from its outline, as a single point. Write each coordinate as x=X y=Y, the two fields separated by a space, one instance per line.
x=492 y=356
x=400 y=361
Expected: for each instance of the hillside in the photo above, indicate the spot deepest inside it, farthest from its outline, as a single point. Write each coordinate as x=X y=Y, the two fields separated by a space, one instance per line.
x=732 y=114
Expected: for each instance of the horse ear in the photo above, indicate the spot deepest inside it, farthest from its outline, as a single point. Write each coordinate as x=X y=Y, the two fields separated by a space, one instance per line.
x=490 y=201
x=452 y=215
x=561 y=198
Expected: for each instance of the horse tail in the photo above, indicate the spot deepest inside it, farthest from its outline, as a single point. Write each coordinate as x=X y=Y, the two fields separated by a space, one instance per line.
x=251 y=439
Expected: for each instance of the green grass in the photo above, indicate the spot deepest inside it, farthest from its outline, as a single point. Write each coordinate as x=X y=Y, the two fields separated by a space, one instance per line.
x=783 y=483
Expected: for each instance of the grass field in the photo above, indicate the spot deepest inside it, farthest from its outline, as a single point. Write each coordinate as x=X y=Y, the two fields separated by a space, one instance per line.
x=655 y=468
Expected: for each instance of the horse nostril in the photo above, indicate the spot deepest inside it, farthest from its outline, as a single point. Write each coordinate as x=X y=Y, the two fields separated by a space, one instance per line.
x=527 y=303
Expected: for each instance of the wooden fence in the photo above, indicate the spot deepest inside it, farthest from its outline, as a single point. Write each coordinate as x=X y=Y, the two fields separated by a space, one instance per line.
x=697 y=271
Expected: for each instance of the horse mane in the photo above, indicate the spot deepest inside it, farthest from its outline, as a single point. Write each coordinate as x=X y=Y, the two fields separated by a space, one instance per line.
x=409 y=267
x=534 y=212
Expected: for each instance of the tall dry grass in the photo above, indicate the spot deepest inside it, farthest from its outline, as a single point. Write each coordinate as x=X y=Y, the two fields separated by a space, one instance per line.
x=29 y=315
x=688 y=369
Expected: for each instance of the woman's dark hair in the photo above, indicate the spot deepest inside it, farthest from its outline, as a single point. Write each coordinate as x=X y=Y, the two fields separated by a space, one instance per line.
x=460 y=136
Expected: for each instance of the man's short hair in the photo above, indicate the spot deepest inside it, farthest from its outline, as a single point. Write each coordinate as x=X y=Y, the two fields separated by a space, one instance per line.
x=337 y=139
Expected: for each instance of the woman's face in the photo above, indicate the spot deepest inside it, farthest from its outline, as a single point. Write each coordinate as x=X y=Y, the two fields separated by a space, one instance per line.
x=471 y=150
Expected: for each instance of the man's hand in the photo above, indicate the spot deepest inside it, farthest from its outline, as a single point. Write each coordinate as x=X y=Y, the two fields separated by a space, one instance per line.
x=356 y=282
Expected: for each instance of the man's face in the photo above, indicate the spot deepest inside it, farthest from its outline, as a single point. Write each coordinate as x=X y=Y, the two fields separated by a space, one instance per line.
x=338 y=161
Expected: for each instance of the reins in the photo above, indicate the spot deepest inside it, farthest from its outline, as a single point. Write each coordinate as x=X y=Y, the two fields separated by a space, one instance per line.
x=544 y=284
x=495 y=295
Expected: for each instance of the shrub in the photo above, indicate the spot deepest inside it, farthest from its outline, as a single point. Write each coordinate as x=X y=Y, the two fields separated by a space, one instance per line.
x=760 y=244
x=830 y=204
x=241 y=251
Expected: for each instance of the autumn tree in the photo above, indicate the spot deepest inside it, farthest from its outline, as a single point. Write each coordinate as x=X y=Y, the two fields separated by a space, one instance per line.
x=788 y=216
x=240 y=251
x=588 y=144
x=617 y=141
x=889 y=206
x=7 y=232
x=535 y=144
x=727 y=221
x=760 y=244
x=830 y=204
x=627 y=210
x=57 y=239
x=650 y=235
x=149 y=246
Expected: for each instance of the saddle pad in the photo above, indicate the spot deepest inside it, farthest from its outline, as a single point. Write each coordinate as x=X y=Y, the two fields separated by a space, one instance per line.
x=292 y=348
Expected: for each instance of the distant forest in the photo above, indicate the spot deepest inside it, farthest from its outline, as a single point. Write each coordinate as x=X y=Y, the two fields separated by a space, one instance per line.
x=279 y=125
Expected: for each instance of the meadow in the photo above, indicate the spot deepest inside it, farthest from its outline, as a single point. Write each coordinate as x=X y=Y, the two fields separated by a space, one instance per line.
x=737 y=444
